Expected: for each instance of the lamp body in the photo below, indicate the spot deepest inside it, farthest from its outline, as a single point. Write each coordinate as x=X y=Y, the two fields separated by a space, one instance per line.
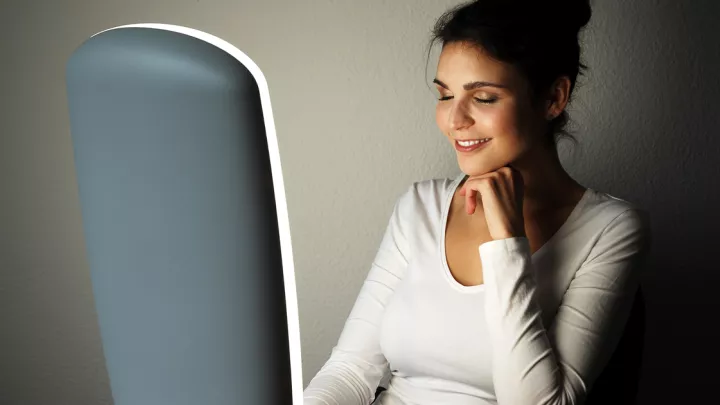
x=184 y=219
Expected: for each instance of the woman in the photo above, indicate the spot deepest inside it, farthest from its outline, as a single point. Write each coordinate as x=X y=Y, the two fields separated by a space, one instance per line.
x=512 y=283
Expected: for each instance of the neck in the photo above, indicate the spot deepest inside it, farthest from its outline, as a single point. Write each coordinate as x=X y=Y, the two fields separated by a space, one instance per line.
x=547 y=185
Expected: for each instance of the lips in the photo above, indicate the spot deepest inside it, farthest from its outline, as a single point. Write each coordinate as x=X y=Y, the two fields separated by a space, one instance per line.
x=470 y=148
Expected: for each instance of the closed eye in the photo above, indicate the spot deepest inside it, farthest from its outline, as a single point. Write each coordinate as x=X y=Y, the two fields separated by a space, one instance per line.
x=479 y=100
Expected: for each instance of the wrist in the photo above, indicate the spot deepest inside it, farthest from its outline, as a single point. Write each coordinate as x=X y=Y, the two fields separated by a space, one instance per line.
x=507 y=234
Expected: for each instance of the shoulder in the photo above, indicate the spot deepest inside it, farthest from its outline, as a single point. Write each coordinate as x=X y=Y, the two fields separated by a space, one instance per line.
x=619 y=225
x=427 y=194
x=612 y=211
x=421 y=204
x=435 y=186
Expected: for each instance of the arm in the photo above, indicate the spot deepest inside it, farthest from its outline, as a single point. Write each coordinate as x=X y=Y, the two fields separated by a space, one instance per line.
x=532 y=365
x=356 y=365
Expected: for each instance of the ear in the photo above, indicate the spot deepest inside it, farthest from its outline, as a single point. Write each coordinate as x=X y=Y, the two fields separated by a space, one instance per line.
x=558 y=97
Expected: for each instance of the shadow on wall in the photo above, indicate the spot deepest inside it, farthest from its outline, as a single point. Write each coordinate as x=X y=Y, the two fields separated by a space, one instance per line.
x=678 y=135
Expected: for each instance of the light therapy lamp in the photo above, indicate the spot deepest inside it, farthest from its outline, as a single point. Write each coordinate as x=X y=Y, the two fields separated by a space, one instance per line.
x=185 y=219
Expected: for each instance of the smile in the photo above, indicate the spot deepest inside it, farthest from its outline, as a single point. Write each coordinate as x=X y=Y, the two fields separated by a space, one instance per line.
x=471 y=145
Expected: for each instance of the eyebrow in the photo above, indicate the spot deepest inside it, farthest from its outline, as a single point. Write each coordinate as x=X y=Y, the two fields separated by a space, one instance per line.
x=472 y=85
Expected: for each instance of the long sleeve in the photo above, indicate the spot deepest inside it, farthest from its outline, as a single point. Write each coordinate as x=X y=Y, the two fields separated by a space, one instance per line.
x=356 y=365
x=535 y=366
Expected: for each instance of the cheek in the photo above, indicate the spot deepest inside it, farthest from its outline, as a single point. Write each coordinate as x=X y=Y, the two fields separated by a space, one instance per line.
x=500 y=121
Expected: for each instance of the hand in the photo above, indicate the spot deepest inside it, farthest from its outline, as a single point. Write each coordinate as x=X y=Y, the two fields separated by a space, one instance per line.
x=501 y=193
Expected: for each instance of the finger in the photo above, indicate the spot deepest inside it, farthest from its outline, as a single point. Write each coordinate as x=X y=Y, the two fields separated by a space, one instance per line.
x=497 y=186
x=487 y=194
x=470 y=202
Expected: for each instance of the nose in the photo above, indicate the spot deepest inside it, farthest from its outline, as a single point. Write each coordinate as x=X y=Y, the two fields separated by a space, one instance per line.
x=459 y=118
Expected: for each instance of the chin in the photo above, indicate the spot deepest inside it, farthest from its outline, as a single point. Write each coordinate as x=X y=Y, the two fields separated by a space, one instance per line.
x=472 y=169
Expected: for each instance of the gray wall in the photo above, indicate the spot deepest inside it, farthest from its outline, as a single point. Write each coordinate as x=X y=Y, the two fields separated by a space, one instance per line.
x=355 y=123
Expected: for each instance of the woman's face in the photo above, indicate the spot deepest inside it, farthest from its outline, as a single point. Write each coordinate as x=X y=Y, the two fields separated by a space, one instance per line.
x=482 y=98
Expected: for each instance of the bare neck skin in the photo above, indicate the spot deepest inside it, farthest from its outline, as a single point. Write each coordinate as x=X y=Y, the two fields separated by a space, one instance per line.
x=547 y=186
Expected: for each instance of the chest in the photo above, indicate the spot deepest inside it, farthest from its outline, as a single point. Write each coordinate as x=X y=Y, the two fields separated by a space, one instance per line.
x=430 y=331
x=465 y=233
x=435 y=328
x=462 y=239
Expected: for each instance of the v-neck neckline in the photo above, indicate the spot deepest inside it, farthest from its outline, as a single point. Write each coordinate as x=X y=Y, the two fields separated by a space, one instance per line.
x=480 y=287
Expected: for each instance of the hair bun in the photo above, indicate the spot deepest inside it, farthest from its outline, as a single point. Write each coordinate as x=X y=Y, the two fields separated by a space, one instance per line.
x=564 y=16
x=577 y=12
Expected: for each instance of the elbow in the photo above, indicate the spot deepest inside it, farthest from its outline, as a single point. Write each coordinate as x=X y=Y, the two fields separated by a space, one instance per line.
x=562 y=395
x=558 y=394
x=340 y=383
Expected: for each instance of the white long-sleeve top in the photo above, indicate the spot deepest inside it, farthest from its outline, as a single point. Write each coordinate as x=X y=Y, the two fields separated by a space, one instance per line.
x=538 y=331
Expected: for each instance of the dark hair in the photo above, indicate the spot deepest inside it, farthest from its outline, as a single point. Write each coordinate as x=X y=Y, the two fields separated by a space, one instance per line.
x=539 y=38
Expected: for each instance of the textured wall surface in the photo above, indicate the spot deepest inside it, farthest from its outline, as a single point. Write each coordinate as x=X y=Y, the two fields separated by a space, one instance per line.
x=355 y=120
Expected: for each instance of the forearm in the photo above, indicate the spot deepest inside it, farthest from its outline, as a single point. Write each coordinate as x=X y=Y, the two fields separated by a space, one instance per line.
x=557 y=365
x=526 y=370
x=343 y=381
x=337 y=387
